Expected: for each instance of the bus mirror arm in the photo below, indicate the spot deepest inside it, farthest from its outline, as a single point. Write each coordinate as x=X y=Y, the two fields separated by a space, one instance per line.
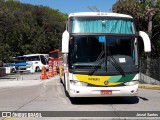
x=65 y=42
x=146 y=41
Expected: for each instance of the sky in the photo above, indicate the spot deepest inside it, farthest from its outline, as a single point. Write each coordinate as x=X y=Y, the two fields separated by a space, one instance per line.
x=70 y=6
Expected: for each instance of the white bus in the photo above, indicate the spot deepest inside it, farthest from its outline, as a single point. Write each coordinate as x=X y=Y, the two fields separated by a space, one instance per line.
x=37 y=61
x=100 y=55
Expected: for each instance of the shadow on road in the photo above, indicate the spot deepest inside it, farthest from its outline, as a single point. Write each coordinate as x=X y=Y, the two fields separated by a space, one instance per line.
x=105 y=100
x=144 y=99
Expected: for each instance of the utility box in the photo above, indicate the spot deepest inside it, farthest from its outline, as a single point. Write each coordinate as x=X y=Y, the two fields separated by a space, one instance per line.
x=2 y=71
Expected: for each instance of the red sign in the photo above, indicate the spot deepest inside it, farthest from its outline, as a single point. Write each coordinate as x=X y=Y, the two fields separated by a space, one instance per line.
x=106 y=92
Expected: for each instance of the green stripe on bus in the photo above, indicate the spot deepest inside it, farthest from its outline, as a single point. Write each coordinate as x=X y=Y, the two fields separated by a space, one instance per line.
x=121 y=78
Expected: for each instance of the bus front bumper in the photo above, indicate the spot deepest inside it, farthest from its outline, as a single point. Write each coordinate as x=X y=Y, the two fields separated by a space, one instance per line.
x=81 y=91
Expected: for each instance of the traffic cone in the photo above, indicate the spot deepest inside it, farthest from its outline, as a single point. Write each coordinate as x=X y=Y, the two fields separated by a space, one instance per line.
x=44 y=74
x=54 y=70
x=50 y=72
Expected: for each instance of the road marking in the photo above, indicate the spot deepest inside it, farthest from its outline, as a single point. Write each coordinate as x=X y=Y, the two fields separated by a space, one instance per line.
x=11 y=118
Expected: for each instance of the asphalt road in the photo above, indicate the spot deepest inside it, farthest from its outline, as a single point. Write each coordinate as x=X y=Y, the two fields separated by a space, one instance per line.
x=49 y=95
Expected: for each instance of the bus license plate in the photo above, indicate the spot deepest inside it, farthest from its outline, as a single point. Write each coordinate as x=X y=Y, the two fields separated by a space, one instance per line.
x=106 y=92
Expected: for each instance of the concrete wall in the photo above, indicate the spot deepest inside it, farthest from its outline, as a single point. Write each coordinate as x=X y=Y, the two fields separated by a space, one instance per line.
x=148 y=80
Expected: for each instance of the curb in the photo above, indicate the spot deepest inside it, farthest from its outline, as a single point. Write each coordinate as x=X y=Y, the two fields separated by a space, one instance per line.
x=148 y=86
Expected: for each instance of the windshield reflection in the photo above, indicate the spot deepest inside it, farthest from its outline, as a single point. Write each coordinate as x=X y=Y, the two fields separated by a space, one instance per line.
x=85 y=49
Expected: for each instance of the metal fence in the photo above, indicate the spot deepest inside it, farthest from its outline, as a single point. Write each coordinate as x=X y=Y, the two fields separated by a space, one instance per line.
x=150 y=67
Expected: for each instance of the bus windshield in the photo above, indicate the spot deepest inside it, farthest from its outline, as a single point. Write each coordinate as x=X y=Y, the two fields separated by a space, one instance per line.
x=88 y=48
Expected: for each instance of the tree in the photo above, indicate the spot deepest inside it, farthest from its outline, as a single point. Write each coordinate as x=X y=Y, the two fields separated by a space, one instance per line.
x=26 y=29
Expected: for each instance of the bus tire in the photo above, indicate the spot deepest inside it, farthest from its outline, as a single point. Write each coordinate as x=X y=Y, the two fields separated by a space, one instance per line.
x=13 y=70
x=37 y=69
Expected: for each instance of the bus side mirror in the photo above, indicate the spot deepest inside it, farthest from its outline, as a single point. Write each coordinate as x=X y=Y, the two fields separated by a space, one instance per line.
x=65 y=42
x=146 y=41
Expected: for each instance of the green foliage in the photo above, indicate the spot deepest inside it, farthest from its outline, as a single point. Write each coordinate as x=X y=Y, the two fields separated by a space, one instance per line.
x=143 y=11
x=26 y=29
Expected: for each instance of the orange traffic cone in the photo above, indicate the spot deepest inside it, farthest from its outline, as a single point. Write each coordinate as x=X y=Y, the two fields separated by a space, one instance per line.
x=54 y=70
x=43 y=74
x=50 y=72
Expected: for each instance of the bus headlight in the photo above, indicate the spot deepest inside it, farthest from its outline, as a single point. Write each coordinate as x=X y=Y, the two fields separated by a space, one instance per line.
x=78 y=83
x=134 y=82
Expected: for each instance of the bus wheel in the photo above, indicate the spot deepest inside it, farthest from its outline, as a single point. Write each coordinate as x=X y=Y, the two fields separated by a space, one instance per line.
x=13 y=70
x=37 y=69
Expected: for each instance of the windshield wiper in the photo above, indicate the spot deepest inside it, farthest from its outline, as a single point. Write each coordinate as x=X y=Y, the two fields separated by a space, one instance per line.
x=116 y=65
x=93 y=68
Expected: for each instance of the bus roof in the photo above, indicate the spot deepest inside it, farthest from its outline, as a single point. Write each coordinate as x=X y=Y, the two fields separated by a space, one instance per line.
x=101 y=14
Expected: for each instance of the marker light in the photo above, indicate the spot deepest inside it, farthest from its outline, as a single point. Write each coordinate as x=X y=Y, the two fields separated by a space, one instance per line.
x=134 y=82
